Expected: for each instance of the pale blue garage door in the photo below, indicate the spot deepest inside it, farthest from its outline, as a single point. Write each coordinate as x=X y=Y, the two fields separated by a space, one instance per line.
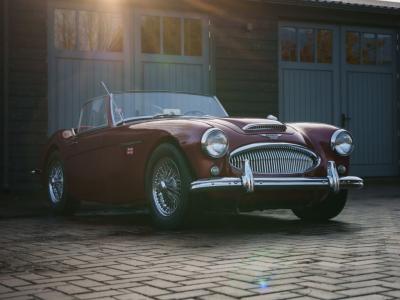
x=126 y=48
x=343 y=76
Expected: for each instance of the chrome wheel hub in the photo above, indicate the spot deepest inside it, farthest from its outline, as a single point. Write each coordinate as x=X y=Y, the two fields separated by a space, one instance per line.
x=56 y=182
x=166 y=187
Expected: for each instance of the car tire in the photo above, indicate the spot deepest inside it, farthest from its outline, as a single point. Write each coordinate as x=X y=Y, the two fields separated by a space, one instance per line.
x=57 y=189
x=168 y=181
x=325 y=210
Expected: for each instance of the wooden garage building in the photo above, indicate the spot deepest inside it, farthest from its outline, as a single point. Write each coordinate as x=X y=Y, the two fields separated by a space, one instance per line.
x=309 y=60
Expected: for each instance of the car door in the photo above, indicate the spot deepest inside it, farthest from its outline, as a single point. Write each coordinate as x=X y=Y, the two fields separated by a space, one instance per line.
x=85 y=167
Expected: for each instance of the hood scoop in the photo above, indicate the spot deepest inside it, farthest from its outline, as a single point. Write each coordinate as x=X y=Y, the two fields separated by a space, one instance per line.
x=265 y=127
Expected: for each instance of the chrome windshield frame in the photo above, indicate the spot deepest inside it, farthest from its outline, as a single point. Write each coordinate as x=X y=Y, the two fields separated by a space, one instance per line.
x=111 y=100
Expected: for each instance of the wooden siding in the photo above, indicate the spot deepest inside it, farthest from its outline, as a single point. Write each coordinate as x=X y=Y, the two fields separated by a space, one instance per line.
x=27 y=89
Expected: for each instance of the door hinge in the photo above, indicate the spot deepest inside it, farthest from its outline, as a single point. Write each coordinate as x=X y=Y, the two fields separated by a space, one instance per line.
x=209 y=68
x=209 y=34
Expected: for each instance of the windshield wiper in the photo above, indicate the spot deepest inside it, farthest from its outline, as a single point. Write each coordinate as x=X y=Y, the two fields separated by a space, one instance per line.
x=158 y=116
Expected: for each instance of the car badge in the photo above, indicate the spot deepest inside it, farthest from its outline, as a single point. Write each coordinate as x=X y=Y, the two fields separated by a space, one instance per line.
x=129 y=151
x=273 y=136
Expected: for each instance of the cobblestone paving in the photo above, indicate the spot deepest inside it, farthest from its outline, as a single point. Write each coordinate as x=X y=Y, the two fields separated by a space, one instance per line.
x=117 y=255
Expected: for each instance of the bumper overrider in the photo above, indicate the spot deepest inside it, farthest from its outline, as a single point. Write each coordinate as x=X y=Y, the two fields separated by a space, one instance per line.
x=249 y=183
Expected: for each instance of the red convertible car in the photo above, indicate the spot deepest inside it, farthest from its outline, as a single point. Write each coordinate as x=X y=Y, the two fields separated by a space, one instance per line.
x=179 y=152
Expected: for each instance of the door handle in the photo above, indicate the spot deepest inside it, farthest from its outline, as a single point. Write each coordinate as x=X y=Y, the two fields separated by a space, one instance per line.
x=344 y=120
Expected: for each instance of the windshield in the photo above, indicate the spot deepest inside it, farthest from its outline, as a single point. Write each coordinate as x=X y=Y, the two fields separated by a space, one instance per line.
x=138 y=105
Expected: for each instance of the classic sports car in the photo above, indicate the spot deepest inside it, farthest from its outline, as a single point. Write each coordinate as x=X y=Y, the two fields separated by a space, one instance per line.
x=180 y=152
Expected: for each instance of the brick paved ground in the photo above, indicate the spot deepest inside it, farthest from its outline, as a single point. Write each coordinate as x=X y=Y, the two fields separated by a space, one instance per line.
x=115 y=254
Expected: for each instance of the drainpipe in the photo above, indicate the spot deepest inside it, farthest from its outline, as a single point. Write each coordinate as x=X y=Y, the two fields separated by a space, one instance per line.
x=5 y=97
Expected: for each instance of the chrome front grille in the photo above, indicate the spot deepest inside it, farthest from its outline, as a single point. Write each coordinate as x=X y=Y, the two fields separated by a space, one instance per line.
x=275 y=158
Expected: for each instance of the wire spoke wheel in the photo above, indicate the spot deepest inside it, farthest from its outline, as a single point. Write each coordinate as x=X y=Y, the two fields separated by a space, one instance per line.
x=56 y=182
x=166 y=186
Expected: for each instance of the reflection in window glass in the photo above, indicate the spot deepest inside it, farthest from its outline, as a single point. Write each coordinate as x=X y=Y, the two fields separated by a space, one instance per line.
x=88 y=30
x=288 y=44
x=368 y=48
x=324 y=46
x=65 y=29
x=150 y=36
x=111 y=33
x=353 y=48
x=172 y=35
x=306 y=44
x=193 y=37
x=384 y=48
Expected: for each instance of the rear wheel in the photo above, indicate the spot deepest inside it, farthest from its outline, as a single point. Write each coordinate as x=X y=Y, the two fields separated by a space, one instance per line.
x=328 y=209
x=167 y=186
x=57 y=191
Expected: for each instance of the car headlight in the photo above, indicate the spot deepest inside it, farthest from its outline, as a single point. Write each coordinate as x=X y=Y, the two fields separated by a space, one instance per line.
x=342 y=142
x=214 y=143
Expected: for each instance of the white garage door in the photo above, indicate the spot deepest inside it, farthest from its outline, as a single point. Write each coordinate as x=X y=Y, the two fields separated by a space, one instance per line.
x=343 y=76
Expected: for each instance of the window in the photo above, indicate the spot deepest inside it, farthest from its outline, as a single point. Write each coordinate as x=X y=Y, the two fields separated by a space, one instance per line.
x=93 y=115
x=368 y=48
x=171 y=35
x=193 y=41
x=151 y=34
x=324 y=46
x=64 y=29
x=306 y=45
x=353 y=48
x=384 y=49
x=87 y=31
x=288 y=44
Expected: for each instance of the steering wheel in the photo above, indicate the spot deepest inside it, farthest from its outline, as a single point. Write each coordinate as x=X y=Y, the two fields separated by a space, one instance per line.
x=194 y=113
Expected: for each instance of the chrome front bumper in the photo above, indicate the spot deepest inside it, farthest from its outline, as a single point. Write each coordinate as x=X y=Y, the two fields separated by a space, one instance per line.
x=247 y=182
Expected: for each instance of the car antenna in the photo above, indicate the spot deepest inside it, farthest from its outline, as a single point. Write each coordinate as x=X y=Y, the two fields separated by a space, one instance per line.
x=105 y=88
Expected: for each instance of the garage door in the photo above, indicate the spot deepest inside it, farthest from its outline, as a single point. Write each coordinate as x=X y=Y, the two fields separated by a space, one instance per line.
x=127 y=49
x=171 y=52
x=343 y=76
x=85 y=47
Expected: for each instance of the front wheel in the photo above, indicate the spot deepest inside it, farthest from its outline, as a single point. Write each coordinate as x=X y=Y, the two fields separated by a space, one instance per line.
x=328 y=209
x=57 y=192
x=167 y=187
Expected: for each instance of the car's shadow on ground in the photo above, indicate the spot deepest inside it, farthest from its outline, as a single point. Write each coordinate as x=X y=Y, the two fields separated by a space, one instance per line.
x=280 y=221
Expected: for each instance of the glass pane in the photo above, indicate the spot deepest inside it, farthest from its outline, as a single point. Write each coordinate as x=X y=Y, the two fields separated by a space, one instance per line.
x=353 y=48
x=88 y=30
x=368 y=48
x=64 y=29
x=111 y=33
x=288 y=44
x=93 y=115
x=172 y=35
x=151 y=34
x=384 y=49
x=324 y=46
x=193 y=37
x=306 y=44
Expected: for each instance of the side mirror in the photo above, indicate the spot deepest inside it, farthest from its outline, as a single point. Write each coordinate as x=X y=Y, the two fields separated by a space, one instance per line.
x=272 y=117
